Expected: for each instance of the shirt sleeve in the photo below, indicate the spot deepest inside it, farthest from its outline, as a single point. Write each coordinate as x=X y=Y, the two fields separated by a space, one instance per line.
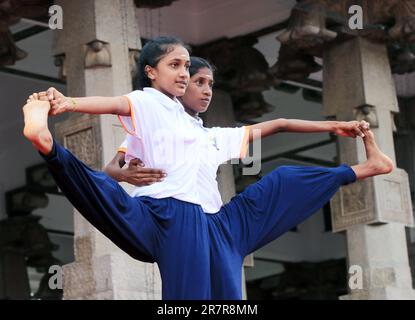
x=123 y=146
x=231 y=143
x=130 y=123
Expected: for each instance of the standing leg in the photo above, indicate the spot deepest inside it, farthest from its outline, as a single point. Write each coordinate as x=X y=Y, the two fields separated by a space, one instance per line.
x=184 y=255
x=226 y=260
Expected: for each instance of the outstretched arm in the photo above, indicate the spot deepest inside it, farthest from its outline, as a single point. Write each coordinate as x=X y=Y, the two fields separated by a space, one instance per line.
x=94 y=105
x=38 y=108
x=342 y=128
x=134 y=173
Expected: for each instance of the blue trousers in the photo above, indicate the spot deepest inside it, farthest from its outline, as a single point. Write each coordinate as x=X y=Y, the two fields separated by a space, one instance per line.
x=199 y=255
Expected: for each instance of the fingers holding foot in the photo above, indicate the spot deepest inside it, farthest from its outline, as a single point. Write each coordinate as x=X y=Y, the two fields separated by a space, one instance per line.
x=363 y=129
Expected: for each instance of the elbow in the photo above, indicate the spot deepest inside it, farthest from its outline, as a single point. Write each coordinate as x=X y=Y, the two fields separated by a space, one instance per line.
x=113 y=169
x=107 y=170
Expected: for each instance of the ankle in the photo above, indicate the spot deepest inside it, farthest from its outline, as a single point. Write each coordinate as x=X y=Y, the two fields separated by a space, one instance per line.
x=30 y=134
x=34 y=134
x=380 y=167
x=40 y=138
x=45 y=142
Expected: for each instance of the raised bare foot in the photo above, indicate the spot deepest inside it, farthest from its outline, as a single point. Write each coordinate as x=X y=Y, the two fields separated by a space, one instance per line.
x=36 y=124
x=377 y=161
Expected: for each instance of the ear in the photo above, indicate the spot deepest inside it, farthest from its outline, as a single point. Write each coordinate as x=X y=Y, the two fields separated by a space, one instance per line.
x=150 y=72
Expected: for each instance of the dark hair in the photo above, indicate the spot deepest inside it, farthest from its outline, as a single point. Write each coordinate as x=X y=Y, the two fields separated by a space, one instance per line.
x=197 y=63
x=152 y=52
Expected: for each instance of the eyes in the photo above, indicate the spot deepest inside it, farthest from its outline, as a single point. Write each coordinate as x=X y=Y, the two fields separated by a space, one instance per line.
x=201 y=82
x=176 y=65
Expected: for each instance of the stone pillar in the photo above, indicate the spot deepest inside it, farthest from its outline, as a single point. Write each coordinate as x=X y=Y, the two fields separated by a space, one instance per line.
x=14 y=279
x=95 y=49
x=221 y=114
x=405 y=158
x=374 y=212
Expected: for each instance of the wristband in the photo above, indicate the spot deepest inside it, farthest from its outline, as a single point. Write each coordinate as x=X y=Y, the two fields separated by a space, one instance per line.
x=73 y=104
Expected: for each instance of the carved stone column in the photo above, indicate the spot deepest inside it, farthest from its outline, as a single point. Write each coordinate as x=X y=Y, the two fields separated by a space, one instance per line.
x=94 y=49
x=358 y=85
x=405 y=157
x=373 y=212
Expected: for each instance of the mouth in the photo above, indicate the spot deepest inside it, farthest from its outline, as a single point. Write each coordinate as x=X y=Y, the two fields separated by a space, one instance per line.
x=182 y=83
x=205 y=101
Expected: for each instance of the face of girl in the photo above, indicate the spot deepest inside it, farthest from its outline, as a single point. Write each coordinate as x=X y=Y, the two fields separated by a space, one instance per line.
x=171 y=75
x=199 y=92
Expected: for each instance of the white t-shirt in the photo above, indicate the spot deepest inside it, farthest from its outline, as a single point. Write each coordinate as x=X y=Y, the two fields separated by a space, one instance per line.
x=164 y=136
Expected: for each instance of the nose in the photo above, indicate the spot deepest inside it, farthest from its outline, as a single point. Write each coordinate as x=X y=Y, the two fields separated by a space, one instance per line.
x=207 y=91
x=184 y=73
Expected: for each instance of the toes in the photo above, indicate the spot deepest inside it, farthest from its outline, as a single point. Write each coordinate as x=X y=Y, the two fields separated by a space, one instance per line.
x=364 y=124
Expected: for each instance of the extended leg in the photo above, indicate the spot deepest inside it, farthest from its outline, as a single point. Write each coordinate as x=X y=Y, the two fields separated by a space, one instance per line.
x=279 y=201
x=102 y=201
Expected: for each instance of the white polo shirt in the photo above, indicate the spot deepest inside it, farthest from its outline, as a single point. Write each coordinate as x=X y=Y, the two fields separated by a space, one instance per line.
x=164 y=136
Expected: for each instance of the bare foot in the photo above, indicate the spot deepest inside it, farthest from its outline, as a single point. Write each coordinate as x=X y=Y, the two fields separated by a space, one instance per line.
x=36 y=124
x=377 y=162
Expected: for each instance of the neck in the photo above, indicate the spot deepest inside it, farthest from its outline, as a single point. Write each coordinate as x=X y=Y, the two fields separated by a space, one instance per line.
x=191 y=112
x=164 y=92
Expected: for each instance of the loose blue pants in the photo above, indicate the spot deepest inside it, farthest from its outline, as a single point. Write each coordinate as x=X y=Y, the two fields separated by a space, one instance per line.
x=199 y=255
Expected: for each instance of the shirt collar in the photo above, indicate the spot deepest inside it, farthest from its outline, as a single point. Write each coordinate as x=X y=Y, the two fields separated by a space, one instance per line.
x=163 y=99
x=196 y=120
x=172 y=104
